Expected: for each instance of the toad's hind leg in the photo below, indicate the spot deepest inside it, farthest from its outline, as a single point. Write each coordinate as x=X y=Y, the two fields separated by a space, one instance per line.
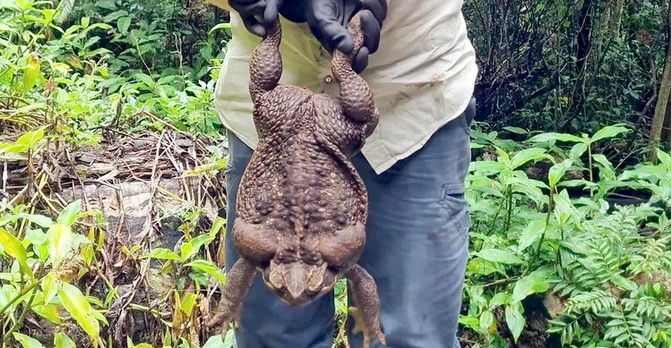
x=367 y=313
x=265 y=64
x=238 y=282
x=355 y=94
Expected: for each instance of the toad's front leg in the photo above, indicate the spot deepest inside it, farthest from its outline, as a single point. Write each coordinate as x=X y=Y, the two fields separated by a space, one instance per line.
x=355 y=94
x=265 y=64
x=367 y=312
x=238 y=282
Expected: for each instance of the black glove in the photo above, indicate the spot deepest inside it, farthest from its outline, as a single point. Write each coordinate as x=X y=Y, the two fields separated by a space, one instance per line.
x=259 y=15
x=328 y=21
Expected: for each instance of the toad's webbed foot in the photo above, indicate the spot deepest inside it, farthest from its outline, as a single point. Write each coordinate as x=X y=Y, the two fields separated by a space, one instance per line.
x=367 y=313
x=238 y=282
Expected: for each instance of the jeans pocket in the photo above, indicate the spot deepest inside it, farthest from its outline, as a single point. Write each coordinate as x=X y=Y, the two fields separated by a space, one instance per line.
x=456 y=209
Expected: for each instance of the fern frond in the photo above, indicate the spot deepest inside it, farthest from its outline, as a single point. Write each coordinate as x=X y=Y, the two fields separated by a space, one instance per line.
x=64 y=10
x=597 y=301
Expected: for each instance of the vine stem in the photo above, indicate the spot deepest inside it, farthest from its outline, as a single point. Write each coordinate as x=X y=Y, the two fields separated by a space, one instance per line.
x=542 y=239
x=509 y=216
x=21 y=294
x=24 y=312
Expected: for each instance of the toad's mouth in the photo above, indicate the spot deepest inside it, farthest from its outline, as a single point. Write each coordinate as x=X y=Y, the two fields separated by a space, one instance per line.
x=298 y=283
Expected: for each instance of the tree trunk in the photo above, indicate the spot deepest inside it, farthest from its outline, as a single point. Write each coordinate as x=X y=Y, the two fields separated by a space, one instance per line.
x=660 y=109
x=666 y=129
x=659 y=131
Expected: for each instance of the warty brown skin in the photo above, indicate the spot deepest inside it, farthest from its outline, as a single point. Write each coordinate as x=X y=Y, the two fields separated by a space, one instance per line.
x=302 y=206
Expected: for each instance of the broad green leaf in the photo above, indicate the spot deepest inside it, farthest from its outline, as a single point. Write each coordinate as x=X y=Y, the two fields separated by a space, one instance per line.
x=15 y=249
x=504 y=157
x=499 y=299
x=478 y=266
x=217 y=226
x=217 y=342
x=144 y=78
x=623 y=283
x=123 y=23
x=48 y=312
x=516 y=130
x=488 y=167
x=557 y=171
x=577 y=151
x=665 y=158
x=27 y=341
x=527 y=155
x=531 y=234
x=545 y=137
x=162 y=254
x=79 y=308
x=40 y=220
x=607 y=171
x=31 y=72
x=609 y=132
x=166 y=79
x=500 y=256
x=187 y=303
x=48 y=14
x=27 y=141
x=469 y=321
x=60 y=241
x=486 y=320
x=564 y=209
x=69 y=215
x=191 y=247
x=219 y=26
x=87 y=253
x=50 y=285
x=528 y=285
x=61 y=340
x=5 y=27
x=515 y=319
x=209 y=268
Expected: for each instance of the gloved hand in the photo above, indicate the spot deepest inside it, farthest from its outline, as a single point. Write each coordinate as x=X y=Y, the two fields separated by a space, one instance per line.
x=328 y=21
x=259 y=15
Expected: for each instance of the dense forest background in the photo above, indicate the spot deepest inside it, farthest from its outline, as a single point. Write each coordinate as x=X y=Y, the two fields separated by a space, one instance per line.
x=112 y=164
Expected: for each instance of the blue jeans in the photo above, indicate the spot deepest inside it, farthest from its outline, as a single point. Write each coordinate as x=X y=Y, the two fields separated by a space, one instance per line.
x=416 y=249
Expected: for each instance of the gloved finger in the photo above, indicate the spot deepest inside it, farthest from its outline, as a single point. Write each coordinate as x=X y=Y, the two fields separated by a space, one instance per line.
x=251 y=9
x=326 y=24
x=294 y=10
x=378 y=7
x=271 y=13
x=335 y=36
x=360 y=60
x=254 y=26
x=371 y=31
x=349 y=9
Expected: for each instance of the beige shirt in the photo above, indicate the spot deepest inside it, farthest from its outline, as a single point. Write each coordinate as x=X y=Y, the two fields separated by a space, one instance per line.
x=422 y=76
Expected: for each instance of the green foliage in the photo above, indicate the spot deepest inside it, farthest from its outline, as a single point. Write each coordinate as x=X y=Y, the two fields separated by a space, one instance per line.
x=576 y=248
x=568 y=66
x=82 y=70
x=46 y=260
x=68 y=79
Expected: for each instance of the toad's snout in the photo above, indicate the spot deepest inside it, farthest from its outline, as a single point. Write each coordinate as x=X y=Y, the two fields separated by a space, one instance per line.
x=298 y=283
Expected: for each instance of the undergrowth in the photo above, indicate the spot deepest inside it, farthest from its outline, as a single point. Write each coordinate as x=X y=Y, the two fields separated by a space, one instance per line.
x=554 y=258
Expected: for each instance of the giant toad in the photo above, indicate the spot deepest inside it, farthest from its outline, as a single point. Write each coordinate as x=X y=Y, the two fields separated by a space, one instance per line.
x=302 y=206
